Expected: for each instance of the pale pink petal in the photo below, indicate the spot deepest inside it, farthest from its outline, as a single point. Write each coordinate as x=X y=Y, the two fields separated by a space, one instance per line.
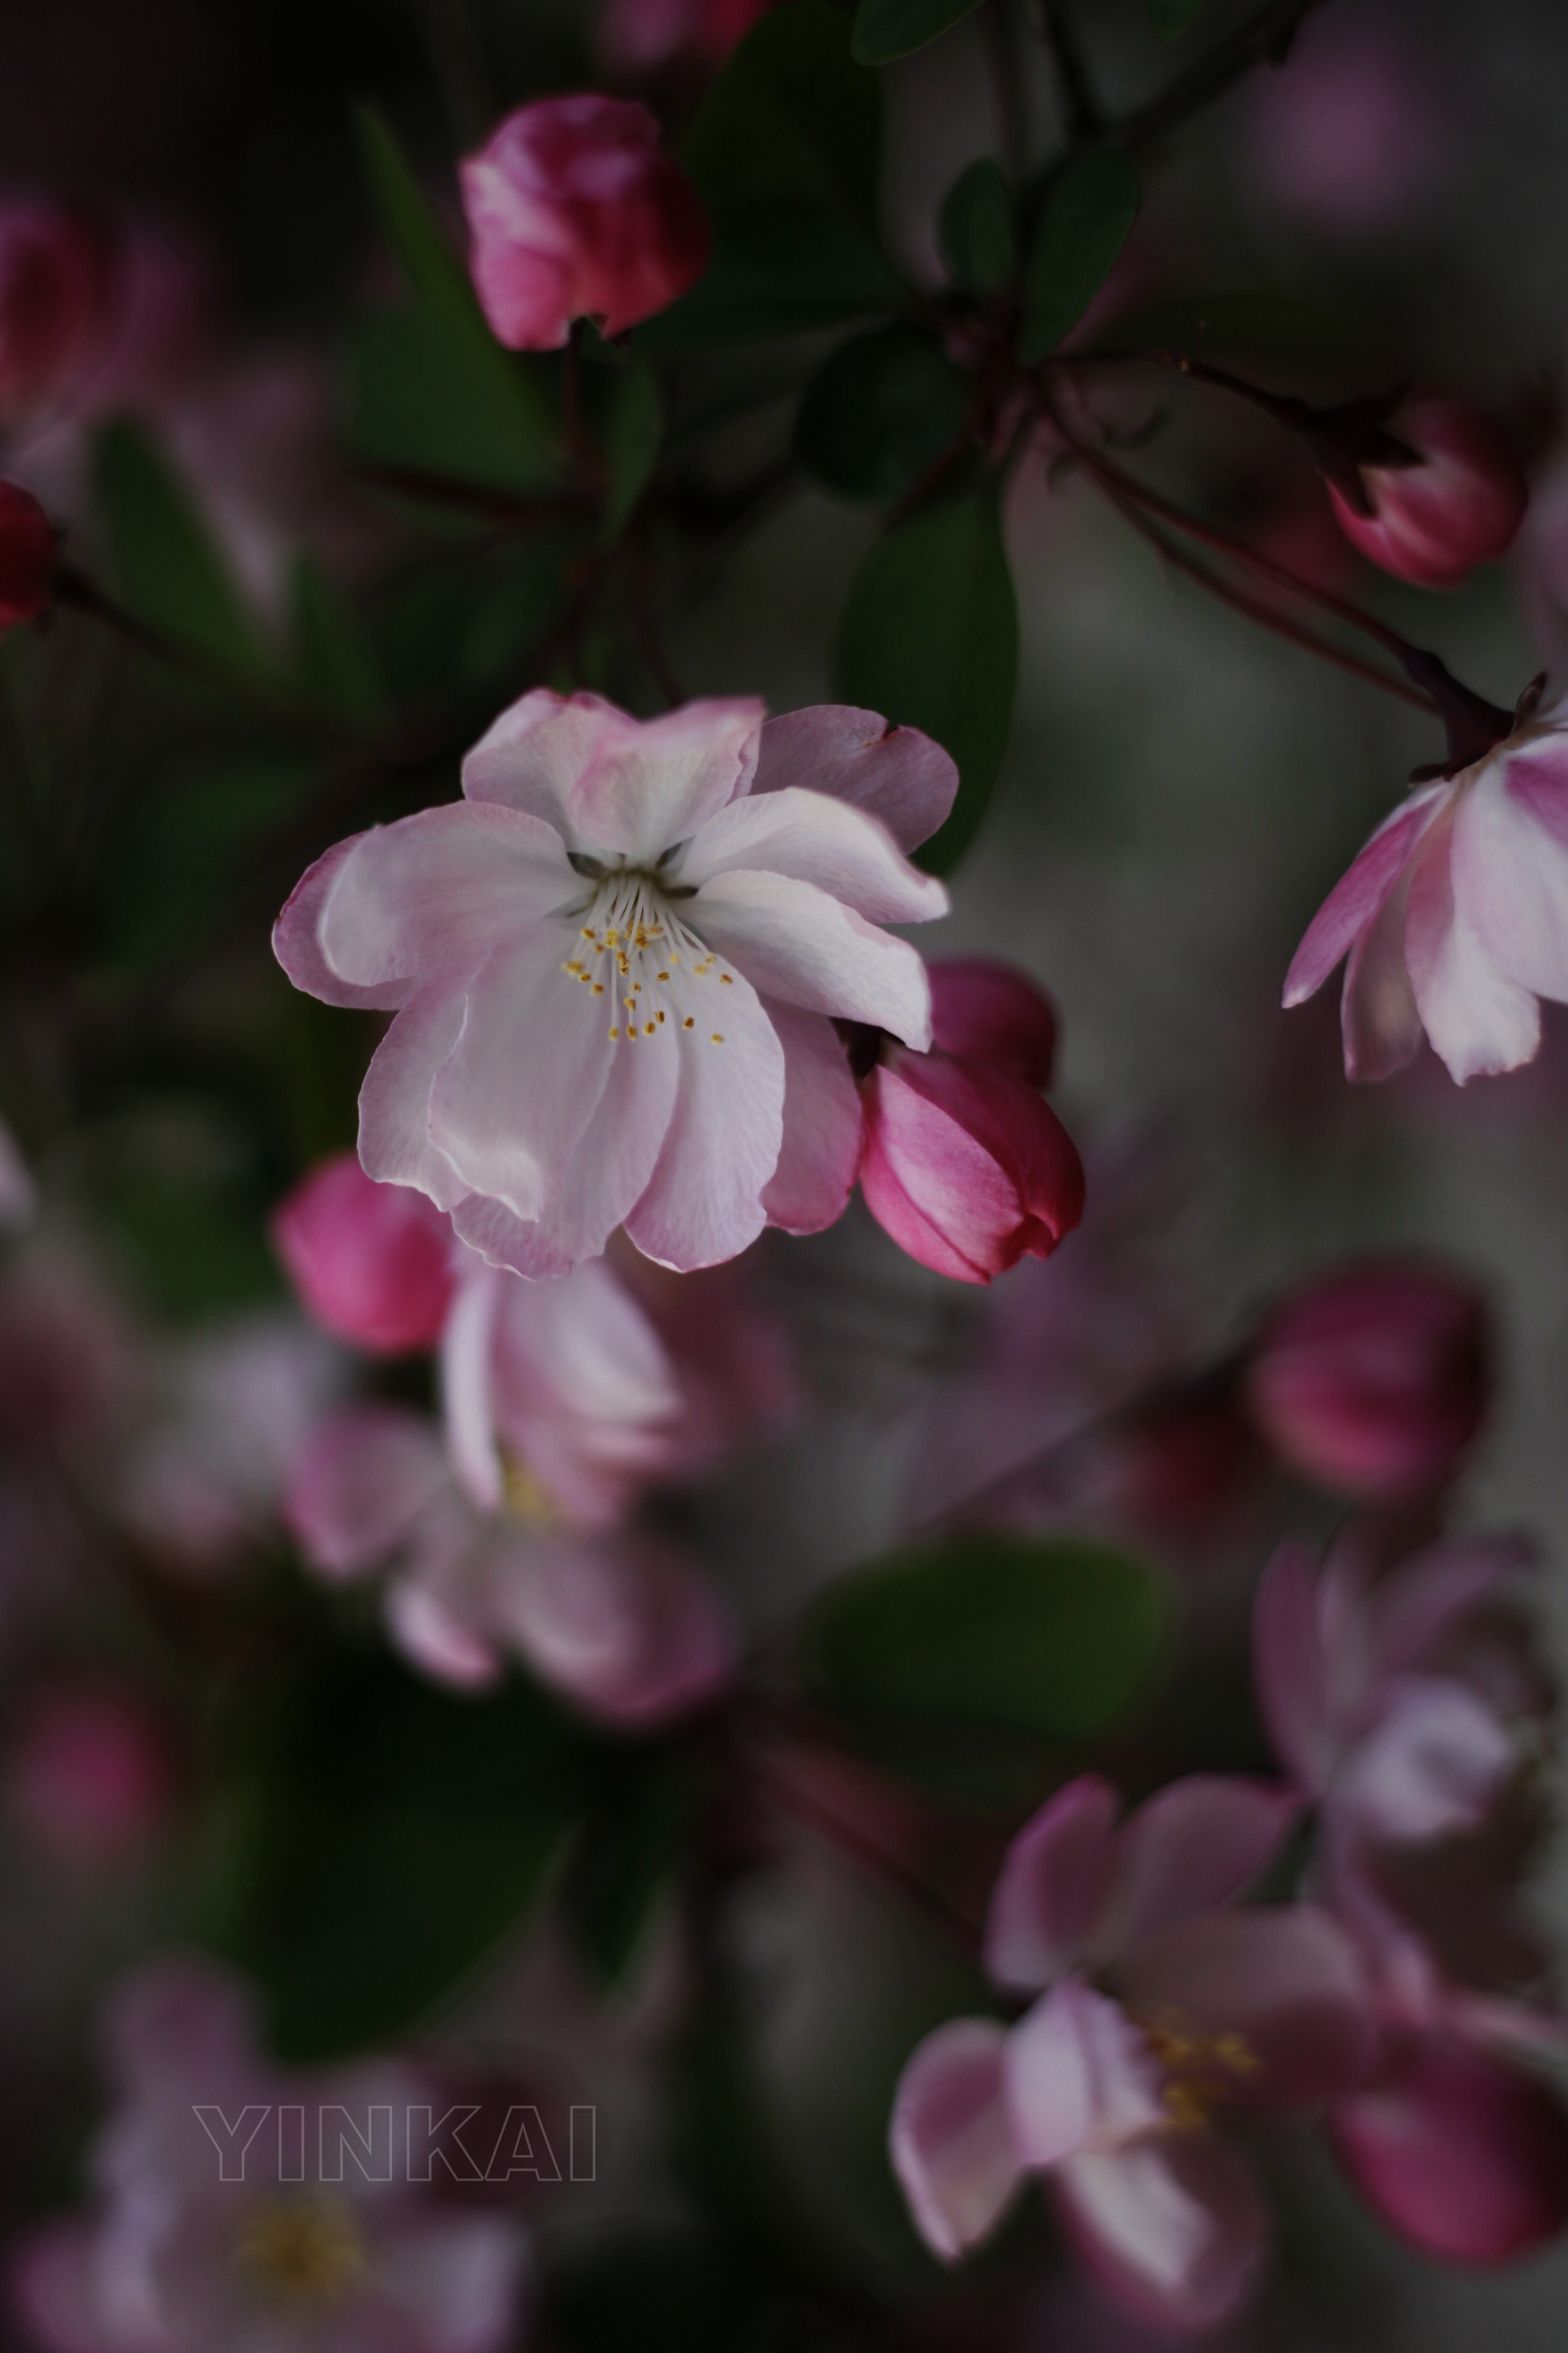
x=1175 y=2227
x=532 y=756
x=1510 y=868
x=823 y=1124
x=1055 y=1882
x=175 y=2017
x=1379 y=1019
x=523 y=1080
x=1478 y=1021
x=395 y=1141
x=1355 y=899
x=363 y=1481
x=895 y=774
x=1079 y=2076
x=456 y=2278
x=297 y=942
x=989 y=1012
x=642 y=795
x=440 y=889
x=1280 y=1988
x=468 y=1386
x=797 y=942
x=633 y=1634
x=372 y=1264
x=950 y=2140
x=811 y=839
x=1435 y=1762
x=704 y=1201
x=1288 y=1668
x=439 y=1639
x=1191 y=1847
x=1412 y=1608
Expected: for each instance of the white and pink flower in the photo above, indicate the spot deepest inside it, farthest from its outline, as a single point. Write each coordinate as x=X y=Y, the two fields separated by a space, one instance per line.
x=615 y=965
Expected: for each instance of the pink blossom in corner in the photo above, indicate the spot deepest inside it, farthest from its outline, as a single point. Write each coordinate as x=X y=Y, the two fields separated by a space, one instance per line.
x=615 y=964
x=638 y=36
x=1372 y=1379
x=27 y=551
x=373 y=1264
x=1460 y=505
x=210 y=2228
x=576 y=213
x=1353 y=134
x=1455 y=915
x=625 y=1625
x=1159 y=2006
x=87 y=1775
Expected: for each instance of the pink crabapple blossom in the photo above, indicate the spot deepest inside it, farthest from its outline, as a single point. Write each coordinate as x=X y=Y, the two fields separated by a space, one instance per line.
x=615 y=965
x=174 y=2257
x=1158 y=2005
x=576 y=213
x=1455 y=914
x=621 y=1622
x=1460 y=505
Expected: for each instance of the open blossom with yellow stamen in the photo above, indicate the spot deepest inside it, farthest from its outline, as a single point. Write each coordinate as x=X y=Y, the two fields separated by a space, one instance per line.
x=617 y=964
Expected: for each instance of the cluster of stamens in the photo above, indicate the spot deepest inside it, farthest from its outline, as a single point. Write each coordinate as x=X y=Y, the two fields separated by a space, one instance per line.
x=635 y=949
x=1202 y=2071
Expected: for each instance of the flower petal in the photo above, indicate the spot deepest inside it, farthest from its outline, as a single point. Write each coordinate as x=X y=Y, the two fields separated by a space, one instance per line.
x=799 y=943
x=1511 y=866
x=1435 y=1762
x=704 y=1200
x=1175 y=2226
x=532 y=756
x=1053 y=1887
x=441 y=889
x=991 y=1012
x=895 y=774
x=1190 y=1848
x=1353 y=902
x=950 y=2141
x=1417 y=1602
x=634 y=1633
x=1379 y=1019
x=1479 y=1021
x=372 y=1264
x=395 y=1140
x=1079 y=2076
x=361 y=1482
x=642 y=794
x=438 y=1638
x=468 y=1385
x=823 y=1124
x=297 y=938
x=811 y=839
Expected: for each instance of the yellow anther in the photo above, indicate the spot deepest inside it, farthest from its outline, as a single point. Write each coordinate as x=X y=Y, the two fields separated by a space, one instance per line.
x=614 y=1034
x=688 y=1023
x=647 y=1028
x=725 y=980
x=662 y=975
x=717 y=1040
x=661 y=1017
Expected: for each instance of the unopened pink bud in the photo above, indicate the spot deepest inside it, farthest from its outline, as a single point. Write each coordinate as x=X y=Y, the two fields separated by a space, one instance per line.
x=373 y=1263
x=27 y=558
x=1372 y=1381
x=574 y=213
x=967 y=1168
x=89 y=1779
x=1461 y=505
x=54 y=289
x=992 y=1013
x=1462 y=2155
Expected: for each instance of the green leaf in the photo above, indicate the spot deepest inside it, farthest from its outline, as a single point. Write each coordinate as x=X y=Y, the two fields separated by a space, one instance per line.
x=974 y=231
x=1082 y=229
x=1172 y=17
x=389 y=1836
x=886 y=29
x=930 y=638
x=430 y=388
x=792 y=121
x=632 y=432
x=881 y=410
x=173 y=883
x=335 y=662
x=1054 y=1635
x=775 y=274
x=166 y=560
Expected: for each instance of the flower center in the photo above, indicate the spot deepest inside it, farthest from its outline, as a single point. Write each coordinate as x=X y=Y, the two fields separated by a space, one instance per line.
x=305 y=2253
x=649 y=967
x=1202 y=2071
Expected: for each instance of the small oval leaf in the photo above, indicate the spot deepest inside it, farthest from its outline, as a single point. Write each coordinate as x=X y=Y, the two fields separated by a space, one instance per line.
x=880 y=412
x=974 y=231
x=1081 y=231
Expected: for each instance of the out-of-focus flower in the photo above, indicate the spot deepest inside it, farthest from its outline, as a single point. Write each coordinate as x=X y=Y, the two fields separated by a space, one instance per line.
x=26 y=556
x=55 y=274
x=1460 y=504
x=964 y=1163
x=217 y=2224
x=636 y=37
x=89 y=1776
x=1365 y=1689
x=625 y=1625
x=1352 y=135
x=1374 y=1379
x=373 y=1263
x=615 y=963
x=1455 y=915
x=576 y=213
x=1110 y=2087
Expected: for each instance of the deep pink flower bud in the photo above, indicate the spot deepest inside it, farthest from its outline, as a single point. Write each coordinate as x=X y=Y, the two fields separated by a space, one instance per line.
x=1465 y=2156
x=992 y=1013
x=1461 y=506
x=371 y=1262
x=26 y=556
x=1374 y=1379
x=967 y=1168
x=575 y=214
x=54 y=287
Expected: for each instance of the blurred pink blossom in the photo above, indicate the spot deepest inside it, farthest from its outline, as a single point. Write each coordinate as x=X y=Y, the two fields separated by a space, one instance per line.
x=89 y=1775
x=576 y=213
x=174 y=2256
x=1434 y=521
x=638 y=36
x=672 y=876
x=1455 y=915
x=373 y=1264
x=1352 y=133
